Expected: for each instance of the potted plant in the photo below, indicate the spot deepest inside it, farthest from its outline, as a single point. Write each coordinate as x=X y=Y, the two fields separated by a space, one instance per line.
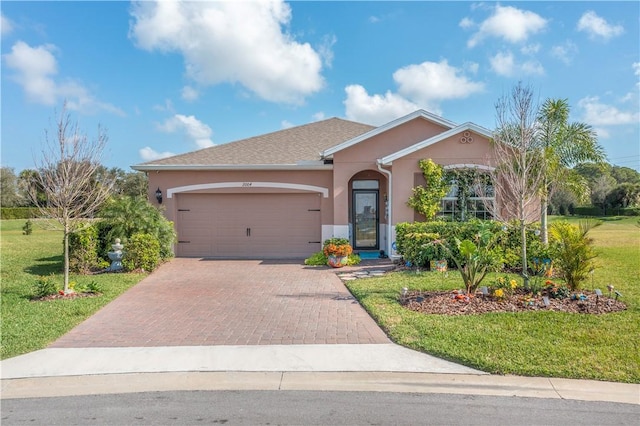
x=337 y=251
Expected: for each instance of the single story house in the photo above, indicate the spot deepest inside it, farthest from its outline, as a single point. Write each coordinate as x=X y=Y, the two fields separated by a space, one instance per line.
x=280 y=195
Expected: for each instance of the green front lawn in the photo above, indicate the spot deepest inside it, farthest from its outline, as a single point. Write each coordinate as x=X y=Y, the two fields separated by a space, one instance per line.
x=26 y=325
x=550 y=344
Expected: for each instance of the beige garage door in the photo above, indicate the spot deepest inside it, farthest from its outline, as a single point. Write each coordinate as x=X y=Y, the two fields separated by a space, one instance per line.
x=248 y=225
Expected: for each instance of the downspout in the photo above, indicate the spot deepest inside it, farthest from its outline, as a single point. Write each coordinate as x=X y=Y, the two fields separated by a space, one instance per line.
x=389 y=205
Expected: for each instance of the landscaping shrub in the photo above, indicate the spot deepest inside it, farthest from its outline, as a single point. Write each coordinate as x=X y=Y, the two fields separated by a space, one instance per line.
x=19 y=213
x=142 y=252
x=572 y=251
x=595 y=211
x=83 y=250
x=44 y=286
x=630 y=211
x=412 y=241
x=125 y=216
x=27 y=229
x=91 y=287
x=316 y=259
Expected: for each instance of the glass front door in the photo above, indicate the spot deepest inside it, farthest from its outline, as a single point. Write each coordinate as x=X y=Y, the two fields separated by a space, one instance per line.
x=365 y=219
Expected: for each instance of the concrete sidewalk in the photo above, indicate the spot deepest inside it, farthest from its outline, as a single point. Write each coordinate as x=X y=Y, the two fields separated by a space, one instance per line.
x=377 y=367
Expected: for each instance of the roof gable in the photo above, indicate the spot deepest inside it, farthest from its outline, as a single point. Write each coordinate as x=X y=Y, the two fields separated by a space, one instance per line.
x=392 y=124
x=468 y=126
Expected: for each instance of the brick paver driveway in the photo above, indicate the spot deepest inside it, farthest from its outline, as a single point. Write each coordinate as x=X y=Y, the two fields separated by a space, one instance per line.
x=197 y=302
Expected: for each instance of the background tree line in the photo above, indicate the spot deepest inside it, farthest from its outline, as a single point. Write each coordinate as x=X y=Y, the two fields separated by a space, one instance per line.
x=14 y=189
x=607 y=188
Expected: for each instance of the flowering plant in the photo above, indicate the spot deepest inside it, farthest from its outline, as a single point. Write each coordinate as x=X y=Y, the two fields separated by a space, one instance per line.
x=339 y=247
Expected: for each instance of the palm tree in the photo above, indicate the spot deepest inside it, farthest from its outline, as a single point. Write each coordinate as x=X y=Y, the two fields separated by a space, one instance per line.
x=565 y=145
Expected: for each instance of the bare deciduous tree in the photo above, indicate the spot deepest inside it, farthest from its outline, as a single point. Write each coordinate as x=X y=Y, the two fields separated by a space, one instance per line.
x=518 y=155
x=67 y=167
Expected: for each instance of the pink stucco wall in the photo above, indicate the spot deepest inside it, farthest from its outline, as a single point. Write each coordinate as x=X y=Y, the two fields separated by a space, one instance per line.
x=364 y=156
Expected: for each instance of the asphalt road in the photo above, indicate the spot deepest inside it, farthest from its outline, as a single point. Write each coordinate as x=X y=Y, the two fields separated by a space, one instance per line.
x=310 y=408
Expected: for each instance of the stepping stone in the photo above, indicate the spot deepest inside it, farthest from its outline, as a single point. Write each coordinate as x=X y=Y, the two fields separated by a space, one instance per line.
x=348 y=275
x=376 y=272
x=360 y=273
x=349 y=278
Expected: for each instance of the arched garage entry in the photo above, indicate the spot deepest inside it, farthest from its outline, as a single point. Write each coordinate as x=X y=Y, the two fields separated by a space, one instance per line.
x=260 y=220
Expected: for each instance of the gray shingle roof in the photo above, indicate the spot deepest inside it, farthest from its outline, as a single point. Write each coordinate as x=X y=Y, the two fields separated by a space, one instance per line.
x=288 y=146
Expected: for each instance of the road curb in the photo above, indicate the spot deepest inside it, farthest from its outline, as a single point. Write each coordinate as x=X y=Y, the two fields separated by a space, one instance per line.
x=467 y=384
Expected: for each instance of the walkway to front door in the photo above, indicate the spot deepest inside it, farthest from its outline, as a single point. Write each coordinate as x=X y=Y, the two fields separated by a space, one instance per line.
x=196 y=302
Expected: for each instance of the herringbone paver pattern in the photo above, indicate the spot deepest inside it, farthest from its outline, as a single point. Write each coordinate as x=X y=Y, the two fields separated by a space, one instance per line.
x=198 y=302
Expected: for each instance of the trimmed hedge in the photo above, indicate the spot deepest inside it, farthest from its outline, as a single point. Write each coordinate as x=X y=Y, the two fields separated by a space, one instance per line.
x=19 y=213
x=414 y=241
x=83 y=250
x=611 y=211
x=142 y=252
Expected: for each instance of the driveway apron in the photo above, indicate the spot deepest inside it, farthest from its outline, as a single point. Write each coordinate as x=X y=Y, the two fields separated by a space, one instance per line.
x=201 y=302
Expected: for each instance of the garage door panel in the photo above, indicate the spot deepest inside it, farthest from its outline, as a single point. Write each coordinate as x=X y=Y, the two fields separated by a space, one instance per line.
x=249 y=225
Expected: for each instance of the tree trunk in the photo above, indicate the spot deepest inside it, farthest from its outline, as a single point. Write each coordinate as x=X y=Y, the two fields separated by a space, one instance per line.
x=66 y=259
x=544 y=234
x=523 y=236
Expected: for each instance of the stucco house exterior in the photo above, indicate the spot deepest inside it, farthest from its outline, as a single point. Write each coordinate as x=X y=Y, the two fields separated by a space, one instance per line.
x=280 y=195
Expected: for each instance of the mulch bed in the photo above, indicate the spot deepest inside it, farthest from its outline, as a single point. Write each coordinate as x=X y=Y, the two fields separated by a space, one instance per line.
x=70 y=296
x=445 y=303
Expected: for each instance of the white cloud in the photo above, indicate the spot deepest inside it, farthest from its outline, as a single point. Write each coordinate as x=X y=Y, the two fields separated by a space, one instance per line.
x=325 y=50
x=210 y=36
x=168 y=106
x=596 y=26
x=420 y=86
x=194 y=129
x=636 y=68
x=471 y=67
x=376 y=109
x=35 y=70
x=466 y=23
x=318 y=116
x=602 y=133
x=189 y=94
x=596 y=113
x=508 y=23
x=285 y=124
x=565 y=52
x=430 y=82
x=374 y=19
x=505 y=64
x=532 y=68
x=6 y=26
x=149 y=154
x=530 y=49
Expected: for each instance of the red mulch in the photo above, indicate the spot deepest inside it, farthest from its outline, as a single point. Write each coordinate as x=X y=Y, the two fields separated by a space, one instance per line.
x=444 y=302
x=70 y=296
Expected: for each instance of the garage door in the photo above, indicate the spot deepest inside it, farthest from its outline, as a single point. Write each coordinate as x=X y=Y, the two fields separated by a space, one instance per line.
x=248 y=225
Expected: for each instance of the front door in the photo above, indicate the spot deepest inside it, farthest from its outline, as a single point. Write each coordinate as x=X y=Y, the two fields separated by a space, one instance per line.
x=365 y=219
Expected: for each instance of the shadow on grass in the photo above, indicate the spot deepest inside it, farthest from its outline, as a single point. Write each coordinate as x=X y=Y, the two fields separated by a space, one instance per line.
x=49 y=265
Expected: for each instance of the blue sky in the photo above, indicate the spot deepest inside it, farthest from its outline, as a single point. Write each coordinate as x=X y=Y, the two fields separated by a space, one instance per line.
x=168 y=78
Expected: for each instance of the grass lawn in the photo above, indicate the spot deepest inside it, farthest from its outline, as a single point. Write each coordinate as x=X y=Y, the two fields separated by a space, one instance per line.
x=26 y=325
x=549 y=344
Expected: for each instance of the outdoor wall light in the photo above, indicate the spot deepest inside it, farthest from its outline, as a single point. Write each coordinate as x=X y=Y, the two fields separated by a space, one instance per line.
x=159 y=195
